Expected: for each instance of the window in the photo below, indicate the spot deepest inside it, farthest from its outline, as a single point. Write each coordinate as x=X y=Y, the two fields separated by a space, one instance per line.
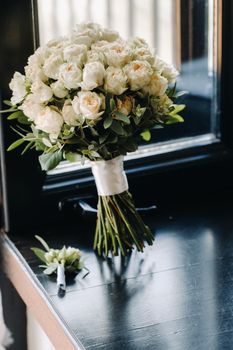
x=183 y=33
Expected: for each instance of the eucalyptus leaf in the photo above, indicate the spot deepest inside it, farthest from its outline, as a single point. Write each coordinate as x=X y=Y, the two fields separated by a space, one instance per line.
x=7 y=102
x=27 y=147
x=15 y=144
x=177 y=109
x=108 y=121
x=39 y=253
x=146 y=135
x=42 y=241
x=15 y=115
x=73 y=157
x=180 y=93
x=49 y=161
x=46 y=142
x=122 y=117
x=103 y=137
x=117 y=128
x=174 y=119
x=112 y=104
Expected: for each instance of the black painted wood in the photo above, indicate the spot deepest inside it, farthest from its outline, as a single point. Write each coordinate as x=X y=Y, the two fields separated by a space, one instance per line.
x=177 y=295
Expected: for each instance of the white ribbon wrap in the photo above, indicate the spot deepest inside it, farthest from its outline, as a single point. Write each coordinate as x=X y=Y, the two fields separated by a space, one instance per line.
x=61 y=279
x=110 y=177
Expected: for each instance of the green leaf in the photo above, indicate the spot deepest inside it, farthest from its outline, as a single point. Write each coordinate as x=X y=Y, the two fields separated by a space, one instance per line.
x=158 y=126
x=130 y=145
x=73 y=157
x=46 y=142
x=174 y=119
x=49 y=161
x=108 y=121
x=23 y=120
x=15 y=115
x=117 y=128
x=146 y=135
x=51 y=268
x=122 y=117
x=39 y=253
x=15 y=144
x=42 y=241
x=27 y=147
x=112 y=104
x=181 y=93
x=177 y=109
x=103 y=137
x=7 y=102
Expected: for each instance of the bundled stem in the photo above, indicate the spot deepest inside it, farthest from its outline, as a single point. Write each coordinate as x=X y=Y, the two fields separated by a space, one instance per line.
x=119 y=226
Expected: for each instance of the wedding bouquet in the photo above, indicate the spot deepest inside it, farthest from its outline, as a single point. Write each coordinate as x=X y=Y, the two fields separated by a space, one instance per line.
x=93 y=96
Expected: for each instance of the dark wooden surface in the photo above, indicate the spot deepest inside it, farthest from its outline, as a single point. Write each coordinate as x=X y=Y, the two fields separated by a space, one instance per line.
x=177 y=295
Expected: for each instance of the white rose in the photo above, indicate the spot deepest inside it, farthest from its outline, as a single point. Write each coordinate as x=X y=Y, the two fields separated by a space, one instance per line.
x=18 y=86
x=137 y=42
x=91 y=30
x=109 y=35
x=56 y=45
x=100 y=46
x=52 y=65
x=35 y=72
x=49 y=121
x=69 y=115
x=70 y=75
x=88 y=104
x=41 y=91
x=93 y=75
x=81 y=40
x=75 y=53
x=157 y=85
x=115 y=81
x=95 y=56
x=58 y=89
x=117 y=54
x=170 y=73
x=138 y=73
x=143 y=53
x=31 y=108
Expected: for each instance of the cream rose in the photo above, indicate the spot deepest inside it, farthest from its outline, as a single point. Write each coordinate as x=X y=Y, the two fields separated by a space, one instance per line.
x=170 y=73
x=157 y=85
x=34 y=72
x=82 y=40
x=69 y=115
x=88 y=104
x=115 y=81
x=109 y=35
x=49 y=121
x=31 y=108
x=93 y=75
x=143 y=53
x=52 y=65
x=70 y=75
x=117 y=54
x=18 y=86
x=125 y=105
x=95 y=56
x=75 y=53
x=138 y=73
x=41 y=91
x=59 y=89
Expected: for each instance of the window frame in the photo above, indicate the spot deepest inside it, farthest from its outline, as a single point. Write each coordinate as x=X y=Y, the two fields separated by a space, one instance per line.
x=43 y=192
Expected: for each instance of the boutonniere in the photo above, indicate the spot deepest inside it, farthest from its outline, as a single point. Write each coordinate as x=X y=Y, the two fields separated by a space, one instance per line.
x=59 y=261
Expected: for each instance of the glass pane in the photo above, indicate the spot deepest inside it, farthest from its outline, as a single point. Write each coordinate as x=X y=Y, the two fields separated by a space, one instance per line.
x=183 y=32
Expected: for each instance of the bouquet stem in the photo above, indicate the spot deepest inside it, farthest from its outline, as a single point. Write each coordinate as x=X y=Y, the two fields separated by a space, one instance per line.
x=119 y=226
